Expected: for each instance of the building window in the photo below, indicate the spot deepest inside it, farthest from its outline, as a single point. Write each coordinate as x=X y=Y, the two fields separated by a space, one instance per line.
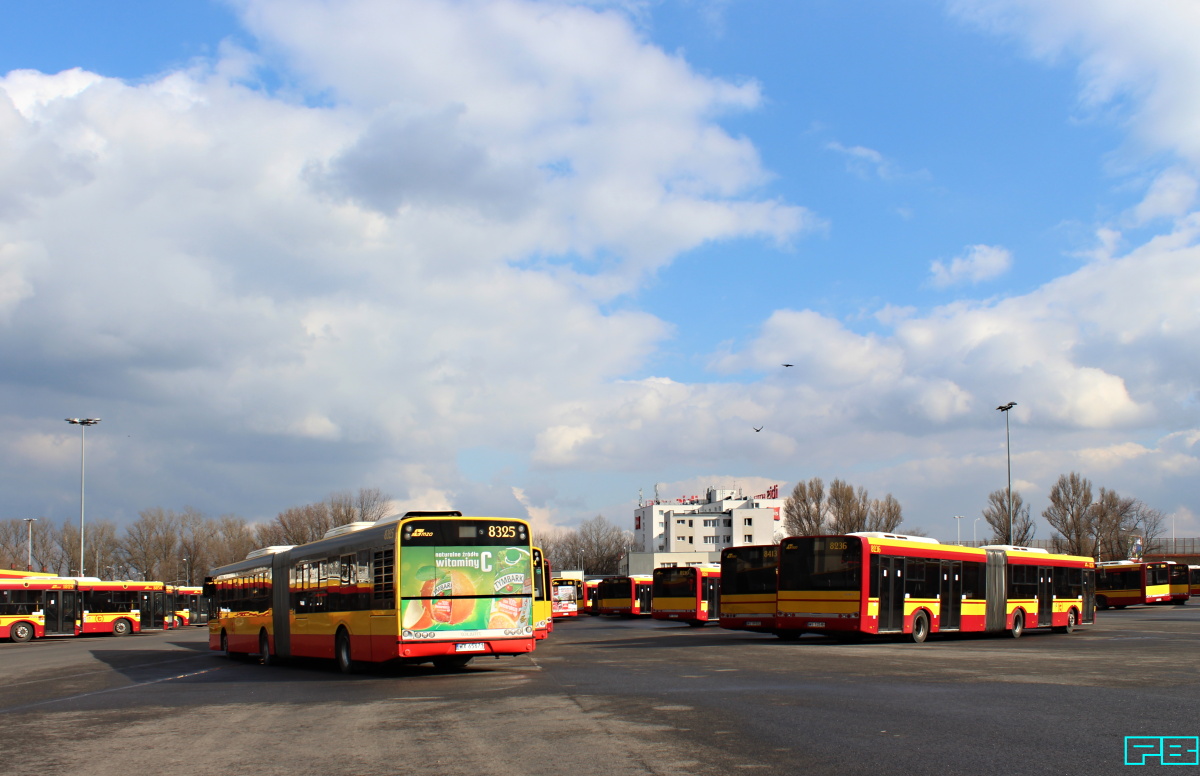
x=728 y=522
x=710 y=523
x=748 y=538
x=689 y=540
x=747 y=521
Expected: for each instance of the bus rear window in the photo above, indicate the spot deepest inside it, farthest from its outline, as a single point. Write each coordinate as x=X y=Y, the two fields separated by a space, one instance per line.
x=821 y=563
x=674 y=583
x=747 y=570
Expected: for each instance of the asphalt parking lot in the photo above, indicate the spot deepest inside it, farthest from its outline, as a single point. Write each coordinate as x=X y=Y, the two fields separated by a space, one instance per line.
x=612 y=697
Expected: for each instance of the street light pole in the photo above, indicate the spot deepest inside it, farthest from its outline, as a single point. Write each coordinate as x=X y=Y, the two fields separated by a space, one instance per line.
x=974 y=525
x=1008 y=453
x=188 y=571
x=83 y=423
x=958 y=527
x=29 y=521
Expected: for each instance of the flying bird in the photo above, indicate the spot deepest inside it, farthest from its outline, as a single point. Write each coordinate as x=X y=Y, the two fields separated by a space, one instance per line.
x=789 y=364
x=757 y=429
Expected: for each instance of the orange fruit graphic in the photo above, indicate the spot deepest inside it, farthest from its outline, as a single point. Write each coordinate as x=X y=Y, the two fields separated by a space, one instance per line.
x=456 y=610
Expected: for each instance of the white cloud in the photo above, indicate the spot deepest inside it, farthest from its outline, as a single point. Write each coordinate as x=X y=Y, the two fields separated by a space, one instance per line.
x=979 y=263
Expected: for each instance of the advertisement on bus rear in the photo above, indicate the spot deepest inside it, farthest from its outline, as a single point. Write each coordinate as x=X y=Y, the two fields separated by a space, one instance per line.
x=462 y=592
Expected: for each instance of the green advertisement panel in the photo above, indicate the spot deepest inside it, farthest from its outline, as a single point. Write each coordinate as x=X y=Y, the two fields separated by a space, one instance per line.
x=466 y=592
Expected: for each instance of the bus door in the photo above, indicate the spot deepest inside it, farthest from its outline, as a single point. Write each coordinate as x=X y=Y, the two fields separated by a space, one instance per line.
x=153 y=606
x=1045 y=596
x=645 y=593
x=949 y=617
x=1089 y=595
x=712 y=594
x=891 y=594
x=61 y=608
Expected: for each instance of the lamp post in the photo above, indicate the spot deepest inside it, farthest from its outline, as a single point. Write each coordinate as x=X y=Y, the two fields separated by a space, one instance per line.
x=29 y=521
x=975 y=525
x=188 y=571
x=958 y=527
x=83 y=423
x=1008 y=453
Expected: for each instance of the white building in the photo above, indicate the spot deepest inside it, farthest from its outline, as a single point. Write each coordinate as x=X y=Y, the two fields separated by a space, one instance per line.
x=722 y=518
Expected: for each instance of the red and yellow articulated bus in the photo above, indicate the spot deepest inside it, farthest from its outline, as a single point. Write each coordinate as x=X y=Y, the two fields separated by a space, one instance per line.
x=566 y=595
x=420 y=587
x=749 y=587
x=32 y=607
x=191 y=604
x=625 y=596
x=543 y=616
x=878 y=583
x=690 y=594
x=591 y=591
x=1121 y=583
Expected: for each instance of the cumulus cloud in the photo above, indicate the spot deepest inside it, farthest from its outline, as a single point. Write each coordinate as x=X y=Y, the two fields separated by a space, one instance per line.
x=979 y=263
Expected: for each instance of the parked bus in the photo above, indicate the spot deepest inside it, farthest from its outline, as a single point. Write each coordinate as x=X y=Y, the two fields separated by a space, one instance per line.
x=625 y=596
x=591 y=589
x=121 y=608
x=33 y=607
x=192 y=605
x=418 y=587
x=1194 y=574
x=749 y=587
x=566 y=597
x=690 y=594
x=23 y=574
x=543 y=616
x=1121 y=583
x=867 y=583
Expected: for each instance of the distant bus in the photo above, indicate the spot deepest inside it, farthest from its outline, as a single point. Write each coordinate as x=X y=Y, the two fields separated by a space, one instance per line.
x=749 y=587
x=877 y=583
x=1121 y=583
x=686 y=593
x=591 y=589
x=1194 y=579
x=191 y=605
x=121 y=608
x=566 y=595
x=543 y=615
x=420 y=587
x=625 y=596
x=33 y=607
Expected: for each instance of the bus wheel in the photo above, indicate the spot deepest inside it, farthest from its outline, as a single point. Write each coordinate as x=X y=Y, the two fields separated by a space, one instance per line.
x=225 y=646
x=920 y=629
x=696 y=623
x=121 y=627
x=451 y=662
x=789 y=635
x=264 y=650
x=21 y=632
x=1070 y=626
x=1018 y=626
x=1101 y=602
x=345 y=662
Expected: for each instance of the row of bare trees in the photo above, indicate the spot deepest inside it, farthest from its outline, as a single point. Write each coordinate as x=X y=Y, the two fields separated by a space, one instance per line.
x=810 y=511
x=595 y=547
x=1104 y=526
x=170 y=546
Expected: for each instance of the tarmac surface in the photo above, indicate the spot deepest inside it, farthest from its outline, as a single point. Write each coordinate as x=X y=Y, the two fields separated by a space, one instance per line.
x=611 y=697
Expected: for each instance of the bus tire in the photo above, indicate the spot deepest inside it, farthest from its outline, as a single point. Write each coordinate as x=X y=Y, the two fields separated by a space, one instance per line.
x=225 y=646
x=21 y=632
x=264 y=649
x=695 y=623
x=920 y=628
x=789 y=635
x=341 y=652
x=1018 y=626
x=1101 y=602
x=1069 y=627
x=452 y=662
x=121 y=627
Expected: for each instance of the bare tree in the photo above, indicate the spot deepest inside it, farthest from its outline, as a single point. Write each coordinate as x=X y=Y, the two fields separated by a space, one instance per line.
x=596 y=547
x=1070 y=514
x=232 y=541
x=848 y=509
x=886 y=514
x=372 y=504
x=151 y=543
x=341 y=508
x=996 y=514
x=804 y=510
x=1114 y=521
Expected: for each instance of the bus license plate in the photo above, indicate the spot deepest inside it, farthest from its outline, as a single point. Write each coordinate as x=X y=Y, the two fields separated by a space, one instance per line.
x=754 y=623
x=816 y=625
x=473 y=646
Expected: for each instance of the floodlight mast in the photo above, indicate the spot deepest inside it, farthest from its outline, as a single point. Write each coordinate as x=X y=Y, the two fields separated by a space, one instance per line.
x=83 y=423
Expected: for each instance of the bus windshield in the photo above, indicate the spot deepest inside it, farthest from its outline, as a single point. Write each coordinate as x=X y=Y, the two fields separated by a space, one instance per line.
x=466 y=576
x=821 y=563
x=674 y=582
x=747 y=570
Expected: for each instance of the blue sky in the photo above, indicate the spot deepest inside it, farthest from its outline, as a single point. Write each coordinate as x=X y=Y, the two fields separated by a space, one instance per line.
x=531 y=257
